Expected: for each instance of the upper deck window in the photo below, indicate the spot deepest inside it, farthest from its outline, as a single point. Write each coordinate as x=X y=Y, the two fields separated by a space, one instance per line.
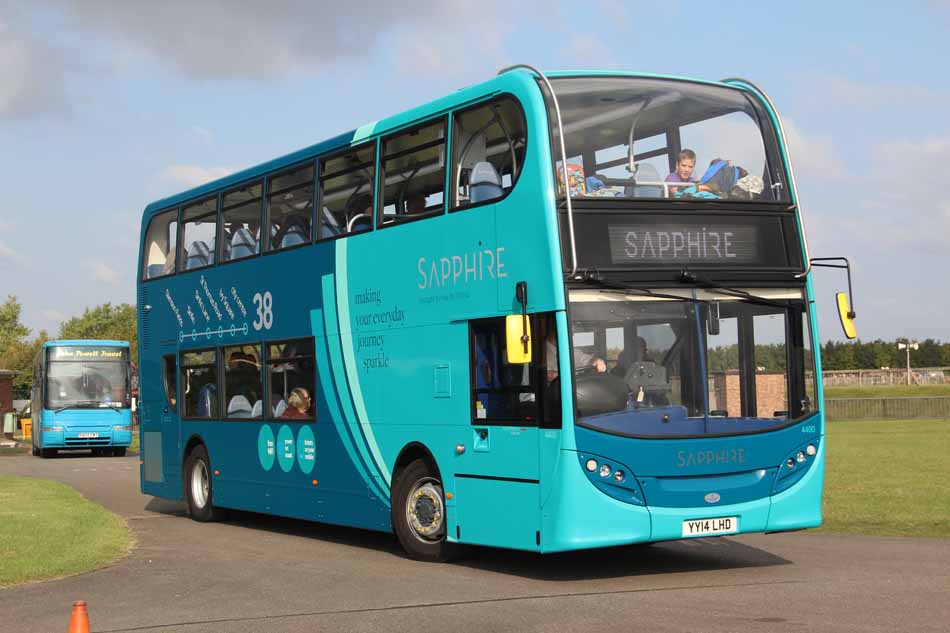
x=160 y=244
x=413 y=173
x=289 y=208
x=653 y=138
x=241 y=222
x=347 y=181
x=198 y=237
x=489 y=146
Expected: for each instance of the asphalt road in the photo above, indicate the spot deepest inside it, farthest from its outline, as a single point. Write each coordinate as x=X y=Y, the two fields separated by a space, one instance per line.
x=258 y=573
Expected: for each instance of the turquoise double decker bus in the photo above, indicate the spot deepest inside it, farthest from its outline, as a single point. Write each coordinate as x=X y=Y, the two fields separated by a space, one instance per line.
x=546 y=312
x=82 y=397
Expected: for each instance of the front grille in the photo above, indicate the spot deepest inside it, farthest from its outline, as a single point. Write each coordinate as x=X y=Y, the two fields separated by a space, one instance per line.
x=88 y=441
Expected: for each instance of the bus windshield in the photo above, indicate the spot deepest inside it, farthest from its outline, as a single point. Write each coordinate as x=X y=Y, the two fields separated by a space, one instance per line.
x=708 y=363
x=660 y=138
x=78 y=384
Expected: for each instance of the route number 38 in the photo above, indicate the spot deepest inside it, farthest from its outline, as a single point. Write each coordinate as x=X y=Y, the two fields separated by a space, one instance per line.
x=265 y=311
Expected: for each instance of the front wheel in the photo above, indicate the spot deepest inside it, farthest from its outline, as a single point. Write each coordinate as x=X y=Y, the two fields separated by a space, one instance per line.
x=198 y=488
x=118 y=451
x=418 y=513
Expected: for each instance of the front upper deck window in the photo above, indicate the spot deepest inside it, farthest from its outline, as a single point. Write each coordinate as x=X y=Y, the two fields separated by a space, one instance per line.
x=160 y=244
x=664 y=139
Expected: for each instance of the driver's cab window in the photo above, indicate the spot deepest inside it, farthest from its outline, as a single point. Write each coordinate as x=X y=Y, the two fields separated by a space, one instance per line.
x=514 y=393
x=289 y=208
x=347 y=181
x=413 y=169
x=488 y=144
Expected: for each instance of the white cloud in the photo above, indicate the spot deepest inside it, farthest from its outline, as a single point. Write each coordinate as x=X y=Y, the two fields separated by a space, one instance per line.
x=7 y=252
x=224 y=39
x=32 y=74
x=202 y=133
x=812 y=155
x=103 y=273
x=53 y=316
x=588 y=50
x=193 y=175
x=829 y=90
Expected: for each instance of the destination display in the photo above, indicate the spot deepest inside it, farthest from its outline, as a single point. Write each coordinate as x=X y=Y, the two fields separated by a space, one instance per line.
x=614 y=240
x=88 y=353
x=682 y=244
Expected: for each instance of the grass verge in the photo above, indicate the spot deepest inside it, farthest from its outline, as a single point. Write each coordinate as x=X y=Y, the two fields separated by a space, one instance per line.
x=50 y=531
x=888 y=478
x=888 y=391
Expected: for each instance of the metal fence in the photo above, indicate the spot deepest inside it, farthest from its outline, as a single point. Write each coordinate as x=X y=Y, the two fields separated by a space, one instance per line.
x=886 y=408
x=869 y=377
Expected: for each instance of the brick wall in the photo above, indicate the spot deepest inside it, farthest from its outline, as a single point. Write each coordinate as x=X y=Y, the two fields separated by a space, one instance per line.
x=6 y=393
x=771 y=394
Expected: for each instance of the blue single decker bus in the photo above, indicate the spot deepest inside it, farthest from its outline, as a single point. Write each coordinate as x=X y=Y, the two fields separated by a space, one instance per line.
x=82 y=397
x=546 y=312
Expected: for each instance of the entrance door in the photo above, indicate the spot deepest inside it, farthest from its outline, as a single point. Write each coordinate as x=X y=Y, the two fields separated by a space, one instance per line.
x=497 y=478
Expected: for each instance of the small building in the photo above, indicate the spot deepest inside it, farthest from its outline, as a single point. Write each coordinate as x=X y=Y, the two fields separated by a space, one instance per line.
x=6 y=391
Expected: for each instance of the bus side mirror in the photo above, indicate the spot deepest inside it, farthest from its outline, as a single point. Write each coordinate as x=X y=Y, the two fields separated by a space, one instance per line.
x=846 y=315
x=518 y=339
x=712 y=324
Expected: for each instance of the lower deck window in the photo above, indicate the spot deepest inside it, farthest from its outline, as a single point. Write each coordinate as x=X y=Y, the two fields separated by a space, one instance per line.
x=199 y=377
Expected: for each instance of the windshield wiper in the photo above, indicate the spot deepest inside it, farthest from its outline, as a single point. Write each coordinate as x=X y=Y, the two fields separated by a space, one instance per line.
x=86 y=404
x=688 y=276
x=594 y=279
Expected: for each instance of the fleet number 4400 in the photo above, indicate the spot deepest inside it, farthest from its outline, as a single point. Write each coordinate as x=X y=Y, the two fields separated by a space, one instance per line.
x=264 y=303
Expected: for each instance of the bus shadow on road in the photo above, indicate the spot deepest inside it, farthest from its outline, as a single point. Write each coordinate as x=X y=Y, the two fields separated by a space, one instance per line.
x=705 y=554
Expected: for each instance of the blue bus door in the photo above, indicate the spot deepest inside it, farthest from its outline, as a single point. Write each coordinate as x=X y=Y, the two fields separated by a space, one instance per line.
x=160 y=439
x=497 y=476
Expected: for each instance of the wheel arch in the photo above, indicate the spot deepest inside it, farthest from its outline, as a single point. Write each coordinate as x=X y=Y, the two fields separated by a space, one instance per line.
x=411 y=452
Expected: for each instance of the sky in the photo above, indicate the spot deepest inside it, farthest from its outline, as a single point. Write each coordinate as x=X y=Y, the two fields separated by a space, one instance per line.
x=106 y=105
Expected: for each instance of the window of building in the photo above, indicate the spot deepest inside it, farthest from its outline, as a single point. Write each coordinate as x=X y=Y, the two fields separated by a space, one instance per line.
x=243 y=393
x=291 y=379
x=413 y=174
x=489 y=146
x=346 y=191
x=241 y=222
x=289 y=208
x=504 y=393
x=199 y=378
x=198 y=238
x=161 y=242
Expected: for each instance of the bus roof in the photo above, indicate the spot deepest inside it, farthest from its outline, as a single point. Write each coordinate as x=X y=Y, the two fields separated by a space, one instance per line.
x=392 y=123
x=86 y=343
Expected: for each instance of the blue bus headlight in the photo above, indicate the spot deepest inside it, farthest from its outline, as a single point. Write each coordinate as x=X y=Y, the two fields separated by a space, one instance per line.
x=796 y=465
x=122 y=427
x=52 y=429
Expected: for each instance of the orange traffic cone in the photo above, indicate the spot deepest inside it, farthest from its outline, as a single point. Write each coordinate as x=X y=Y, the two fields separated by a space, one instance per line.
x=79 y=620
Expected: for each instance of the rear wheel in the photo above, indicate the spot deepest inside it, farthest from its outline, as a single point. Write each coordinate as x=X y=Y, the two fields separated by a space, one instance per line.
x=418 y=513
x=198 y=489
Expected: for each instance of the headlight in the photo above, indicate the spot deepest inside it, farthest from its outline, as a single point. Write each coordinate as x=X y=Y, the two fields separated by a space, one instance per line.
x=618 y=476
x=605 y=470
x=122 y=427
x=790 y=463
x=811 y=450
x=52 y=429
x=591 y=465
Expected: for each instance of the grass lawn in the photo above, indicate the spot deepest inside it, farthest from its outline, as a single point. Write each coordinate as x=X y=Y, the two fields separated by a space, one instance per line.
x=887 y=391
x=50 y=530
x=888 y=477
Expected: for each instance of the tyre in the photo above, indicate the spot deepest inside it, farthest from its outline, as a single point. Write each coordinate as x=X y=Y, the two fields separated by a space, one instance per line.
x=198 y=487
x=36 y=451
x=418 y=513
x=118 y=451
x=46 y=453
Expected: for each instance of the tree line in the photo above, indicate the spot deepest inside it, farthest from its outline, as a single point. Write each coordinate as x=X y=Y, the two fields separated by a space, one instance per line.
x=107 y=321
x=18 y=348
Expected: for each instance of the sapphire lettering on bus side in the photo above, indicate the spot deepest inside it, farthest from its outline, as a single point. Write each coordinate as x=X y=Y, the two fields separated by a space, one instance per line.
x=454 y=270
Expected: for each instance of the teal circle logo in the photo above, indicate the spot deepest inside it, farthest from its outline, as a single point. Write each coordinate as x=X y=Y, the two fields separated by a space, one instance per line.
x=285 y=448
x=266 y=447
x=306 y=450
